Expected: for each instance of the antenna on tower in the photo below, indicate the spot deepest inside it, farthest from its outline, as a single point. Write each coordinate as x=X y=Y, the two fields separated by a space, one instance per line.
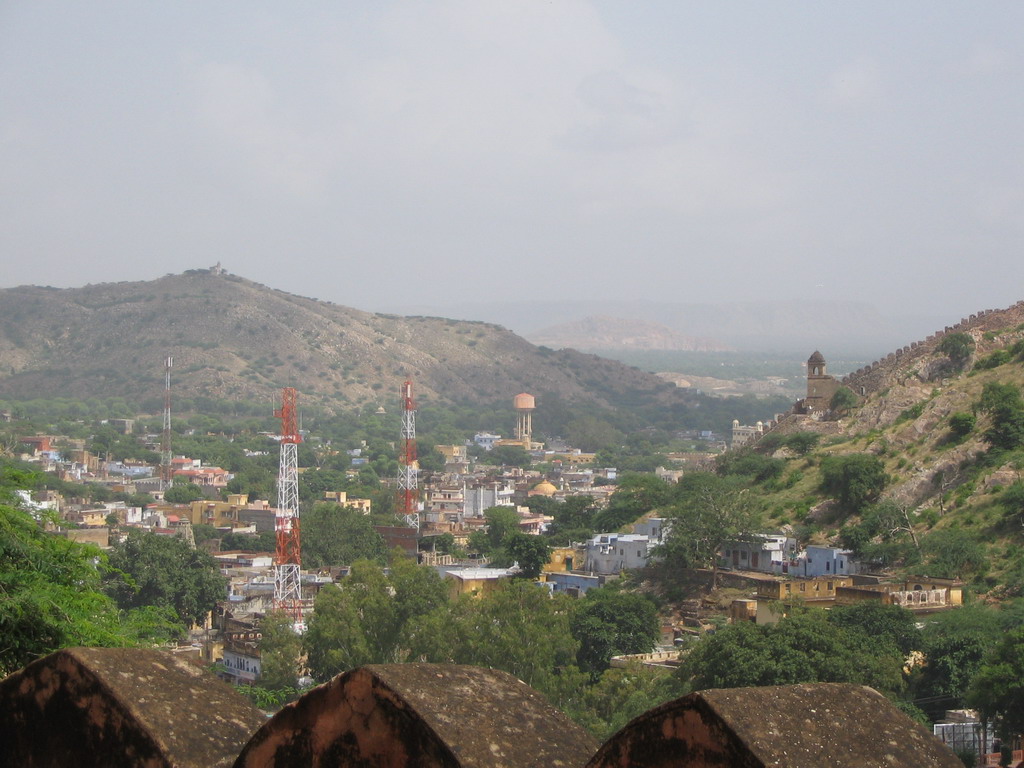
x=408 y=490
x=165 y=437
x=288 y=558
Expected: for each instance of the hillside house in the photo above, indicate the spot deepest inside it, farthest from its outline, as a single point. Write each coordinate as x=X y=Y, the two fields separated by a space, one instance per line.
x=826 y=561
x=574 y=584
x=611 y=553
x=919 y=595
x=764 y=553
x=654 y=528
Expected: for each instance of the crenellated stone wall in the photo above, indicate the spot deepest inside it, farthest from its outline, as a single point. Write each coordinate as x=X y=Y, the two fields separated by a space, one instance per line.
x=871 y=378
x=117 y=707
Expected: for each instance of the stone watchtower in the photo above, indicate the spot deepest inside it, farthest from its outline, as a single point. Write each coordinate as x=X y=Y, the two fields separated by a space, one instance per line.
x=820 y=386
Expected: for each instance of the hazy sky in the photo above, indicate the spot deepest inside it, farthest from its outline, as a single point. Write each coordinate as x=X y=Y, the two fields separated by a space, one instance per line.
x=387 y=154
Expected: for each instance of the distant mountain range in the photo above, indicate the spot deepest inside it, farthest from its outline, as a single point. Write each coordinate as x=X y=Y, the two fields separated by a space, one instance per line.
x=235 y=339
x=845 y=329
x=602 y=333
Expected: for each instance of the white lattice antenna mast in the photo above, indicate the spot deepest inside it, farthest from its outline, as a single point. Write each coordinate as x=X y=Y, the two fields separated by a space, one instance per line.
x=288 y=559
x=408 y=483
x=165 y=436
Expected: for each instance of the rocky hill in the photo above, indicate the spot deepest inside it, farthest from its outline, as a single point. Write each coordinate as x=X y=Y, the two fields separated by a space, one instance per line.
x=235 y=339
x=918 y=410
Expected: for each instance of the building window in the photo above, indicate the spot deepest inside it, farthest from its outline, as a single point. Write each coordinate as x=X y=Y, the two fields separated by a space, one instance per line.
x=803 y=587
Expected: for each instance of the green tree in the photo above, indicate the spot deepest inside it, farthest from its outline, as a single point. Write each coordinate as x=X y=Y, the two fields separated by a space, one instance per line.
x=891 y=625
x=803 y=648
x=883 y=535
x=708 y=511
x=1012 y=502
x=997 y=691
x=501 y=523
x=51 y=596
x=746 y=463
x=636 y=495
x=362 y=619
x=621 y=695
x=1003 y=403
x=609 y=623
x=149 y=569
x=854 y=480
x=530 y=552
x=183 y=493
x=843 y=400
x=954 y=644
x=575 y=519
x=517 y=628
x=953 y=554
x=957 y=347
x=801 y=443
x=280 y=652
x=336 y=535
x=961 y=425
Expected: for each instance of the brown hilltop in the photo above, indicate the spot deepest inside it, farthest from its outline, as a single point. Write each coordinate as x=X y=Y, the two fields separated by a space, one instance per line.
x=235 y=339
x=904 y=404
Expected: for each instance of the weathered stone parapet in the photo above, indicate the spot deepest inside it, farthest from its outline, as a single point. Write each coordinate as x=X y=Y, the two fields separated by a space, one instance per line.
x=115 y=707
x=793 y=726
x=423 y=715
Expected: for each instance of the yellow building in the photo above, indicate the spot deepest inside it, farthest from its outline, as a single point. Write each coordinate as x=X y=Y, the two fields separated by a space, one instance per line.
x=341 y=497
x=474 y=581
x=218 y=513
x=562 y=559
x=820 y=588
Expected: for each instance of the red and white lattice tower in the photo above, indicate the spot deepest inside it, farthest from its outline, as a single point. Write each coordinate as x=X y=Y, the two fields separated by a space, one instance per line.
x=287 y=579
x=408 y=486
x=165 y=436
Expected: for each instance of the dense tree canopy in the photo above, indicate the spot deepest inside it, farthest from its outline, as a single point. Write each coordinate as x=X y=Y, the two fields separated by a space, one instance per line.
x=707 y=512
x=183 y=493
x=1005 y=407
x=337 y=535
x=364 y=618
x=636 y=495
x=164 y=571
x=854 y=480
x=998 y=689
x=530 y=552
x=52 y=598
x=803 y=648
x=280 y=650
x=609 y=623
x=518 y=628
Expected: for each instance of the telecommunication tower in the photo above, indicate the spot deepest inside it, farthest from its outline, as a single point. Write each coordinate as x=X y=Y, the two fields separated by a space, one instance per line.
x=408 y=490
x=287 y=578
x=165 y=437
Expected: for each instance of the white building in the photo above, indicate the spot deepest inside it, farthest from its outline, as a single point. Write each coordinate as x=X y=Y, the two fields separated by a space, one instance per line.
x=486 y=440
x=827 y=561
x=479 y=499
x=610 y=553
x=764 y=552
